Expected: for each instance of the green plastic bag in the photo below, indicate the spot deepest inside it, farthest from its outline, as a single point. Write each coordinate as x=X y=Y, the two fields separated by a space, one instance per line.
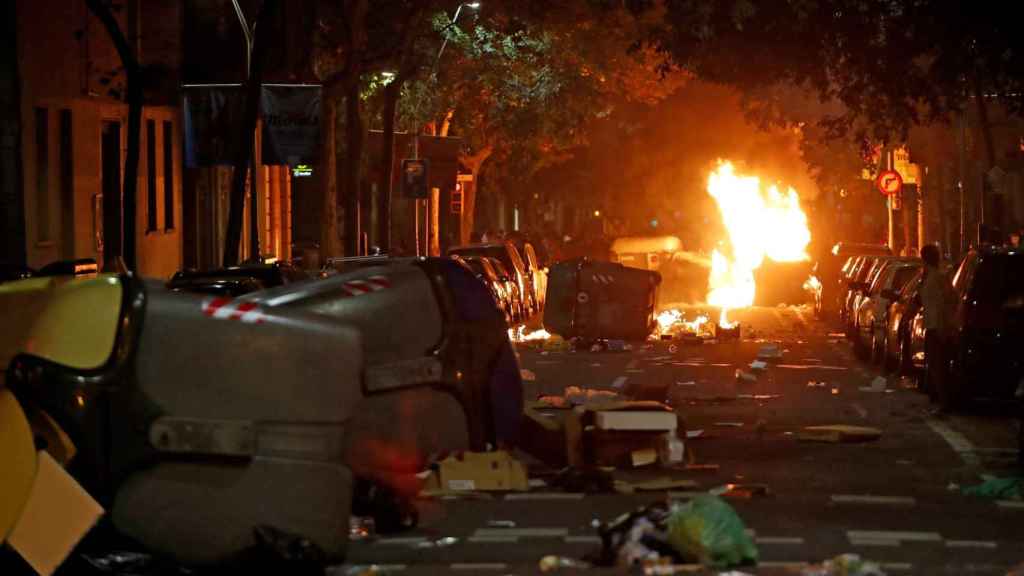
x=708 y=530
x=998 y=489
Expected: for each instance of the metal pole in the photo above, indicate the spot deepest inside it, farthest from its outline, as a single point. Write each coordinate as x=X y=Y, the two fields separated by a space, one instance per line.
x=888 y=204
x=960 y=184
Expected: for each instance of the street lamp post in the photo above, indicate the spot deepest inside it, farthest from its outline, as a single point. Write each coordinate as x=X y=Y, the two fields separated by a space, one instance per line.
x=458 y=11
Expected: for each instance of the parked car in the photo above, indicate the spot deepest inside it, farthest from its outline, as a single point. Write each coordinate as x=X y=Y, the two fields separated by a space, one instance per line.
x=872 y=315
x=988 y=325
x=482 y=269
x=236 y=280
x=515 y=297
x=898 y=324
x=852 y=281
x=11 y=272
x=507 y=252
x=875 y=265
x=830 y=271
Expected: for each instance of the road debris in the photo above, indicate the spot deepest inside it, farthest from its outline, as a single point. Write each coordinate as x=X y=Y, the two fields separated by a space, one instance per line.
x=758 y=365
x=442 y=542
x=769 y=352
x=817 y=384
x=527 y=375
x=879 y=384
x=656 y=485
x=708 y=530
x=1011 y=488
x=552 y=563
x=839 y=433
x=729 y=424
x=740 y=491
x=360 y=528
x=844 y=565
x=742 y=376
x=483 y=471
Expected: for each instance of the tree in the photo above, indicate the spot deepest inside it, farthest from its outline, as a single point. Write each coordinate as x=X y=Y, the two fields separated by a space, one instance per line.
x=522 y=82
x=112 y=208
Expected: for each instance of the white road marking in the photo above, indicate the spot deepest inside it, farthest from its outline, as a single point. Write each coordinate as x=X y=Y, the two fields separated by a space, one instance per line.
x=523 y=532
x=811 y=367
x=871 y=499
x=480 y=566
x=620 y=382
x=1011 y=504
x=957 y=441
x=402 y=540
x=493 y=539
x=545 y=496
x=779 y=540
x=582 y=540
x=971 y=544
x=908 y=536
x=876 y=543
x=783 y=565
x=898 y=566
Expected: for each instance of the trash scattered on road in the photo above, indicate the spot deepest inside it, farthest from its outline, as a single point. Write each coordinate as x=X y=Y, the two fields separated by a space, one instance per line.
x=553 y=563
x=120 y=562
x=576 y=396
x=527 y=375
x=844 y=565
x=758 y=397
x=816 y=384
x=473 y=471
x=501 y=524
x=729 y=424
x=835 y=391
x=656 y=485
x=769 y=352
x=360 y=528
x=671 y=450
x=643 y=457
x=839 y=433
x=590 y=480
x=619 y=382
x=694 y=433
x=442 y=542
x=742 y=376
x=708 y=530
x=998 y=489
x=740 y=491
x=758 y=365
x=689 y=383
x=879 y=384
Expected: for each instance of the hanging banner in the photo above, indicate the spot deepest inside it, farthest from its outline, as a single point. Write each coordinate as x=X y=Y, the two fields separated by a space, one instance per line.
x=291 y=125
x=213 y=120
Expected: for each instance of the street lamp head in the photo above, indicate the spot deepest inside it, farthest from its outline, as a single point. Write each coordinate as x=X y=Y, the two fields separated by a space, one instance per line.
x=473 y=5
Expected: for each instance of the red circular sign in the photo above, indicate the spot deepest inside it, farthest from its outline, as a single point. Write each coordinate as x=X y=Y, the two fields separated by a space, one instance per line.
x=889 y=182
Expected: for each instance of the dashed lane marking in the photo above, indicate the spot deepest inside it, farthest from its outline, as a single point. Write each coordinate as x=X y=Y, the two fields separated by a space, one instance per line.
x=1011 y=504
x=779 y=540
x=402 y=540
x=871 y=499
x=898 y=566
x=492 y=539
x=523 y=532
x=782 y=565
x=957 y=441
x=908 y=536
x=871 y=542
x=545 y=496
x=589 y=540
x=480 y=566
x=971 y=544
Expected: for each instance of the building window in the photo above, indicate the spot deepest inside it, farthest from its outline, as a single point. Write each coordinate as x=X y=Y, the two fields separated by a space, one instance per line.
x=168 y=175
x=66 y=186
x=150 y=176
x=43 y=233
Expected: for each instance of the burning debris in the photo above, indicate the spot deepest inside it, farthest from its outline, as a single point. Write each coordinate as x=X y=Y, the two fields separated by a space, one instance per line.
x=519 y=334
x=673 y=323
x=760 y=224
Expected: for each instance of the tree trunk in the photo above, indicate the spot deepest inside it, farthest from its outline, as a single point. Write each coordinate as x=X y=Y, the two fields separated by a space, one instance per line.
x=446 y=124
x=247 y=130
x=12 y=191
x=133 y=89
x=990 y=151
x=391 y=93
x=329 y=244
x=474 y=164
x=353 y=164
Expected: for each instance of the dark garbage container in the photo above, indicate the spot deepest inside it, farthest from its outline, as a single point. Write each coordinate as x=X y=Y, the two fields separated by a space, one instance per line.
x=195 y=421
x=601 y=300
x=440 y=373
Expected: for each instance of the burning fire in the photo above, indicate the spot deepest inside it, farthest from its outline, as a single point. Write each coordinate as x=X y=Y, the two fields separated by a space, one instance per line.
x=519 y=334
x=668 y=320
x=812 y=284
x=761 y=224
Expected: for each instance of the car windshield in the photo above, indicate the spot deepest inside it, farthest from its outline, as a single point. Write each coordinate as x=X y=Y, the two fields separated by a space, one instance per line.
x=497 y=251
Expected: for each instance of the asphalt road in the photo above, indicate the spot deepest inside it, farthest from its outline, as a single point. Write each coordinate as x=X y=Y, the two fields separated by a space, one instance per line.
x=895 y=501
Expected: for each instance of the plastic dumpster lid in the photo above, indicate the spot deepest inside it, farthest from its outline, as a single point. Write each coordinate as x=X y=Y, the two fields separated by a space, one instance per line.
x=18 y=461
x=639 y=244
x=70 y=322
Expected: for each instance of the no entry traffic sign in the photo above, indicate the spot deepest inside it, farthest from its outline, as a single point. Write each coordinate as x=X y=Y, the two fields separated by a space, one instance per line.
x=889 y=182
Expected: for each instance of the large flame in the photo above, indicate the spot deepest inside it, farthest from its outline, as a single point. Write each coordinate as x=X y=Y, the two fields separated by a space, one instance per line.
x=760 y=224
x=673 y=320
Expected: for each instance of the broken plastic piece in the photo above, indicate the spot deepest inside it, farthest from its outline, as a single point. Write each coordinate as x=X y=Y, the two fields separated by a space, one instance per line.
x=552 y=563
x=758 y=365
x=844 y=565
x=742 y=376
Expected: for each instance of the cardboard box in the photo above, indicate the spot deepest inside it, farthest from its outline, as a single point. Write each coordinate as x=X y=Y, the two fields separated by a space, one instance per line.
x=479 y=471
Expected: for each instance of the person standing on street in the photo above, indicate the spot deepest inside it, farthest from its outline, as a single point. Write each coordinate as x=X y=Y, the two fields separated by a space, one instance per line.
x=936 y=300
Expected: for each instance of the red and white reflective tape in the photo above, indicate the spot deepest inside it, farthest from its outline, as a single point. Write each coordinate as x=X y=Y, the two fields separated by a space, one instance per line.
x=367 y=286
x=603 y=279
x=230 y=309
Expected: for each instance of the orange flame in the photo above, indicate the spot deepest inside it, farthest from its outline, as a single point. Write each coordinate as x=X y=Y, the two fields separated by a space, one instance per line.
x=760 y=224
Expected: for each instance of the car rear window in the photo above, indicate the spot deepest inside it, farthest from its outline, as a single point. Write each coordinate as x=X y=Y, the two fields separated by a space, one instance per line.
x=999 y=277
x=499 y=252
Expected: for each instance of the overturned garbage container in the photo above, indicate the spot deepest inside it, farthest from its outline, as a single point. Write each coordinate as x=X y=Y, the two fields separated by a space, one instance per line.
x=192 y=423
x=440 y=373
x=601 y=300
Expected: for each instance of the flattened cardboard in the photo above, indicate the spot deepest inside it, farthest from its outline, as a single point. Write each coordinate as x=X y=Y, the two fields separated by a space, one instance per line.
x=58 y=514
x=479 y=471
